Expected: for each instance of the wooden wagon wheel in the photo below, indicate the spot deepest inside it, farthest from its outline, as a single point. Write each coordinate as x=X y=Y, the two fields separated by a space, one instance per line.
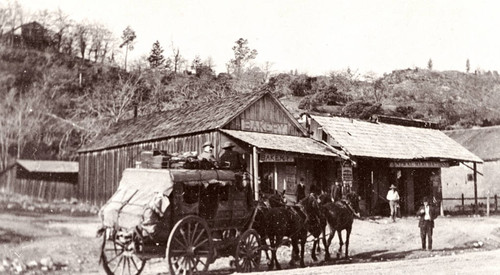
x=248 y=252
x=118 y=255
x=190 y=247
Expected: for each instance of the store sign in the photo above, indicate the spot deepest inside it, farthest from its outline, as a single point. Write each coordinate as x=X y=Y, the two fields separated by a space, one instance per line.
x=419 y=164
x=347 y=173
x=266 y=157
x=264 y=126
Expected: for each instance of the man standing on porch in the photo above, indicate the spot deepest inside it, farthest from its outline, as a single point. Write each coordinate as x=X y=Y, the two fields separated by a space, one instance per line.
x=301 y=190
x=393 y=198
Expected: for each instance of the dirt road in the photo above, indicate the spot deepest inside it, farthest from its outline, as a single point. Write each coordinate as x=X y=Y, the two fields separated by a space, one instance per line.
x=485 y=262
x=375 y=244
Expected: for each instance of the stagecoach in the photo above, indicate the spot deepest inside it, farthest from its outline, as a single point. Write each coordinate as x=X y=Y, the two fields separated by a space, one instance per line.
x=189 y=217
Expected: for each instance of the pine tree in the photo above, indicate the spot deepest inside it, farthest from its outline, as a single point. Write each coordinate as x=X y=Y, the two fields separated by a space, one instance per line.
x=156 y=58
x=467 y=66
x=429 y=64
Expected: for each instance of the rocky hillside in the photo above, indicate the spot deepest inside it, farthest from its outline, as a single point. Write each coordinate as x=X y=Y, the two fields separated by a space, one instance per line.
x=52 y=103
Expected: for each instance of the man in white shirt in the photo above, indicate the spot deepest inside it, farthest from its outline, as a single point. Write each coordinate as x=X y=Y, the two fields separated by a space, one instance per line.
x=427 y=214
x=393 y=198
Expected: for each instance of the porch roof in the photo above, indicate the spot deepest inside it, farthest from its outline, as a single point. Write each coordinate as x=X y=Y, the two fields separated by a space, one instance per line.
x=294 y=144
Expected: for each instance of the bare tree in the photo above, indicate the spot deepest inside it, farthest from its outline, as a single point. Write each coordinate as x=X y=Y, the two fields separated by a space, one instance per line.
x=99 y=37
x=82 y=36
x=113 y=101
x=176 y=59
x=61 y=25
x=20 y=119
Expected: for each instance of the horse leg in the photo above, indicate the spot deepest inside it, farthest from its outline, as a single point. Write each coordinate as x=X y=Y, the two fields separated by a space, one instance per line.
x=265 y=250
x=279 y=239
x=348 y=233
x=313 y=253
x=317 y=241
x=327 y=251
x=330 y=238
x=302 y=246
x=341 y=243
x=295 y=252
x=272 y=243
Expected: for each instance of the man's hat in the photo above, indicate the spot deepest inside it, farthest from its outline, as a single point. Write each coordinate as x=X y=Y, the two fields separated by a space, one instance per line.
x=393 y=186
x=208 y=143
x=227 y=144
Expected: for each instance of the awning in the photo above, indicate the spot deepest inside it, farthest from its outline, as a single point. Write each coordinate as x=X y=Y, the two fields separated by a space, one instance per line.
x=49 y=166
x=293 y=144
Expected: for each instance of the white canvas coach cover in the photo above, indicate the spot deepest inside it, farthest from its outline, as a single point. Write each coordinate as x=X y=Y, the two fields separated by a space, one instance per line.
x=139 y=187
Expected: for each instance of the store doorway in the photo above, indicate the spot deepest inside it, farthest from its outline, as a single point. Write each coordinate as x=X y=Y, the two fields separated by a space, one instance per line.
x=422 y=185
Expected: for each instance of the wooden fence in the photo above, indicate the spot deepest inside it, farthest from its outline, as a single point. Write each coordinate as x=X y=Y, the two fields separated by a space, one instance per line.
x=466 y=205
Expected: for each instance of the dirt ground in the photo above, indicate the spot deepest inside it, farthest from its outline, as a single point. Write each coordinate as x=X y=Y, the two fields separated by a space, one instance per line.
x=70 y=242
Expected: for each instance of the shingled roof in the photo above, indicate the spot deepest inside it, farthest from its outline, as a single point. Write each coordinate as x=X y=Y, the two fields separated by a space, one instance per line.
x=49 y=166
x=301 y=145
x=484 y=142
x=387 y=141
x=187 y=120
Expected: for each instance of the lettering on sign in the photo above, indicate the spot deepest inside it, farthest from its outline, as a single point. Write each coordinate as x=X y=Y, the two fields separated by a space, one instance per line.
x=264 y=126
x=347 y=174
x=276 y=158
x=419 y=164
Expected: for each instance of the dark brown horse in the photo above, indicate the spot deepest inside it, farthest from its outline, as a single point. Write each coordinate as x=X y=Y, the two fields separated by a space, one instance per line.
x=277 y=222
x=340 y=216
x=316 y=223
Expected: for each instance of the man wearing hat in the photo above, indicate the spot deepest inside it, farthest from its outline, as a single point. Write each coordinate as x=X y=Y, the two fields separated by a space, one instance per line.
x=207 y=153
x=393 y=198
x=427 y=214
x=231 y=159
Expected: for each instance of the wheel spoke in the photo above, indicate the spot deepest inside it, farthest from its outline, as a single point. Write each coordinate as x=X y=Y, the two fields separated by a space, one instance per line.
x=195 y=240
x=114 y=258
x=183 y=234
x=183 y=245
x=123 y=267
x=200 y=243
x=118 y=264
x=135 y=265
x=128 y=265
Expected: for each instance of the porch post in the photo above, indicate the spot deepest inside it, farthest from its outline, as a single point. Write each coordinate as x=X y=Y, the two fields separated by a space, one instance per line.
x=255 y=172
x=475 y=189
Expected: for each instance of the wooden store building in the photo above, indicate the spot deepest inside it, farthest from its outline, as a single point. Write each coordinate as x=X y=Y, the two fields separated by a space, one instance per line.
x=409 y=155
x=275 y=147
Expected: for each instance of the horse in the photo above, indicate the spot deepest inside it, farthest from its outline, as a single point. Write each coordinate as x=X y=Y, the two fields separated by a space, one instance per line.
x=277 y=222
x=316 y=223
x=340 y=216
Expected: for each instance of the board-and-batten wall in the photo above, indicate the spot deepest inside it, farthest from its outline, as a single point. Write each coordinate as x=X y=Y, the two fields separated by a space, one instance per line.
x=47 y=186
x=265 y=110
x=101 y=171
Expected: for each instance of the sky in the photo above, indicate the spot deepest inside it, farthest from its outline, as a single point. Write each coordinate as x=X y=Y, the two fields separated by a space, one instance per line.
x=313 y=37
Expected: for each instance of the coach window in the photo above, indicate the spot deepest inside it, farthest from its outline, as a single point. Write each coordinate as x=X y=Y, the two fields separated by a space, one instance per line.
x=191 y=193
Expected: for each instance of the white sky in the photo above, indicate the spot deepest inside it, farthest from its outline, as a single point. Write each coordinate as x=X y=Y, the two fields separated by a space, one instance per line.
x=314 y=37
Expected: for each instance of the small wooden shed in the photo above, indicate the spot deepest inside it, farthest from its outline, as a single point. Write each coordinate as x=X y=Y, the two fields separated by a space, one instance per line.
x=45 y=179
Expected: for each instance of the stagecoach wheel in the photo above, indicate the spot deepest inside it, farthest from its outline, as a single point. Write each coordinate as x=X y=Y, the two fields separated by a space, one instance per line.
x=189 y=248
x=248 y=252
x=118 y=254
